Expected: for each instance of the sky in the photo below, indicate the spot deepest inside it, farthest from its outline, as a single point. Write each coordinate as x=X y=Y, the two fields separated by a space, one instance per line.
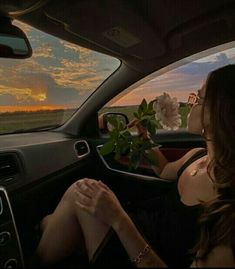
x=58 y=75
x=181 y=81
x=61 y=75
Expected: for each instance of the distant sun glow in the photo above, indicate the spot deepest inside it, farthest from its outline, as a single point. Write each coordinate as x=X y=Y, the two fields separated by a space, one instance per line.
x=4 y=109
x=41 y=97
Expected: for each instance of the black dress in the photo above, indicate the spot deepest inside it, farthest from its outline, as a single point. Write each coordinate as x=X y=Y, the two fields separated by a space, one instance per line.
x=168 y=225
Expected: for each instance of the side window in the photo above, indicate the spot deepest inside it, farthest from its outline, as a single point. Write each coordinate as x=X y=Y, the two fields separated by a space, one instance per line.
x=178 y=82
x=170 y=82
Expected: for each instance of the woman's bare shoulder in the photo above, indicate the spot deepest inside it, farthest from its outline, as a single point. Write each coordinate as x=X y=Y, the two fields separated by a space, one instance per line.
x=170 y=170
x=188 y=155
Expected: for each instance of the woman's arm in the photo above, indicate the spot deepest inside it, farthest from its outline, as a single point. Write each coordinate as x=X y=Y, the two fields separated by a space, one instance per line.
x=97 y=199
x=166 y=170
x=135 y=244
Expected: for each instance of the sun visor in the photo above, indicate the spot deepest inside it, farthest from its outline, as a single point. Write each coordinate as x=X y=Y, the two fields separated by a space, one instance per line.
x=207 y=29
x=114 y=26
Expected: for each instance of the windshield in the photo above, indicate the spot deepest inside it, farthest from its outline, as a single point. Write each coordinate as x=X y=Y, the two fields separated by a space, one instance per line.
x=45 y=90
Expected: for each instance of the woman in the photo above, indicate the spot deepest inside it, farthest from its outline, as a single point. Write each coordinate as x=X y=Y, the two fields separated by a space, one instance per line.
x=90 y=216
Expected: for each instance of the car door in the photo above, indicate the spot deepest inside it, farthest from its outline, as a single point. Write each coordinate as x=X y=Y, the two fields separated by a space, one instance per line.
x=136 y=185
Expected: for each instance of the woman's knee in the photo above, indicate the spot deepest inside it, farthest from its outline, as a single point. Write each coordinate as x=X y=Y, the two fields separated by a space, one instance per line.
x=44 y=222
x=69 y=195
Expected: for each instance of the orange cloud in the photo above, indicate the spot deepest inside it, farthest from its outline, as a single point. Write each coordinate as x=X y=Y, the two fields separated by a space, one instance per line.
x=58 y=72
x=44 y=51
x=75 y=48
x=24 y=94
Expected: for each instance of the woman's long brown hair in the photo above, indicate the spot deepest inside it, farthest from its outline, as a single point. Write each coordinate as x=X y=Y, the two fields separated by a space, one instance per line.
x=218 y=218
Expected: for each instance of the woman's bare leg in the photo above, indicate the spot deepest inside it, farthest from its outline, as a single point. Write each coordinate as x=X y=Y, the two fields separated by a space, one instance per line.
x=68 y=230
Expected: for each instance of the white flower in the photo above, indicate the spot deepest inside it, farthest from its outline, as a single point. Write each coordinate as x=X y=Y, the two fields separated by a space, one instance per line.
x=167 y=112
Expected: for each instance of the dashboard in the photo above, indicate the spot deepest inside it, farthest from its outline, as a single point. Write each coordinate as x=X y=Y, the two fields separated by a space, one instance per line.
x=30 y=167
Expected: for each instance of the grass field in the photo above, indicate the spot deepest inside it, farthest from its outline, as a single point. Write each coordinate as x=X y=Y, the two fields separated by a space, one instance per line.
x=14 y=121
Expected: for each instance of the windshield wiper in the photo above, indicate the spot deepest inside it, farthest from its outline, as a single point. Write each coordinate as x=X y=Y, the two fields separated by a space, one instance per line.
x=36 y=129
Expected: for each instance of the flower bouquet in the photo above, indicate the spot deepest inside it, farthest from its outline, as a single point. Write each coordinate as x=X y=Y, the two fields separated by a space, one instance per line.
x=139 y=148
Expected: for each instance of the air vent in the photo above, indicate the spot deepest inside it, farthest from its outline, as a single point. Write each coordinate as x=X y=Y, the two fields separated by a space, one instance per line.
x=8 y=166
x=82 y=148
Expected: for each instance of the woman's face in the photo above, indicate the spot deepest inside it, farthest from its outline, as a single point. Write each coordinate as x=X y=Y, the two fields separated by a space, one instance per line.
x=194 y=124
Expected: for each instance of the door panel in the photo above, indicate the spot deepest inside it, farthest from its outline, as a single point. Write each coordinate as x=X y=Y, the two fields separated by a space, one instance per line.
x=131 y=187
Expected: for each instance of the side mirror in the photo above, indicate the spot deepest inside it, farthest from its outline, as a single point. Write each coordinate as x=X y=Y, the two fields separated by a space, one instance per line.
x=13 y=41
x=105 y=125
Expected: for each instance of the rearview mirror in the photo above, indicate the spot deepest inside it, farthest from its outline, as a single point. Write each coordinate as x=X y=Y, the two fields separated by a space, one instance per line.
x=13 y=41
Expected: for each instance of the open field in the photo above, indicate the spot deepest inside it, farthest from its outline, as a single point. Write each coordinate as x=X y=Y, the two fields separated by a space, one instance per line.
x=12 y=121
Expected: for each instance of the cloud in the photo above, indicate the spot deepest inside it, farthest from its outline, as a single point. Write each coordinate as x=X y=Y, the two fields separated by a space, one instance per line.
x=57 y=71
x=69 y=47
x=37 y=88
x=44 y=51
x=179 y=82
x=22 y=94
x=209 y=63
x=58 y=74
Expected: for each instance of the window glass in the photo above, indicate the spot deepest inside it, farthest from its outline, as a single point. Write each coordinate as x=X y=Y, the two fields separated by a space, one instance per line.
x=47 y=88
x=178 y=80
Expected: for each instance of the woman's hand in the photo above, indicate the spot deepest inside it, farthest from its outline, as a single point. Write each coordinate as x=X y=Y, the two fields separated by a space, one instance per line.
x=98 y=200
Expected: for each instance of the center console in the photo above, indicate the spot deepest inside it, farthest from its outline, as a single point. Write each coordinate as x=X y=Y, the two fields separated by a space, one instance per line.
x=10 y=248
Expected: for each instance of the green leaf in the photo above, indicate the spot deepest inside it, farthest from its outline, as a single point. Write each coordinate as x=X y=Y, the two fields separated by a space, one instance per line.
x=114 y=134
x=145 y=117
x=126 y=134
x=140 y=110
x=107 y=148
x=151 y=128
x=113 y=121
x=121 y=126
x=144 y=105
x=144 y=122
x=150 y=113
x=136 y=115
x=136 y=147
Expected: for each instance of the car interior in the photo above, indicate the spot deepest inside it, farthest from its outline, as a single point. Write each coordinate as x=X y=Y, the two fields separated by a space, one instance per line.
x=145 y=37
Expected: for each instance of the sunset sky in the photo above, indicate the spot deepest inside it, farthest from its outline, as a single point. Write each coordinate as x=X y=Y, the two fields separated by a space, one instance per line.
x=58 y=75
x=62 y=75
x=180 y=81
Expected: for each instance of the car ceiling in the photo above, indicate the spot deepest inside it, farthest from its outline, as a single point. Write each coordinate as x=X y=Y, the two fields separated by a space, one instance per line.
x=145 y=34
